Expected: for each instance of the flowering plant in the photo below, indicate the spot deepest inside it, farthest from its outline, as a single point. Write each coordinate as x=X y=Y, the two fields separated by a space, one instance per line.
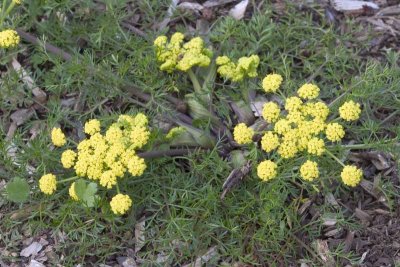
x=301 y=129
x=102 y=159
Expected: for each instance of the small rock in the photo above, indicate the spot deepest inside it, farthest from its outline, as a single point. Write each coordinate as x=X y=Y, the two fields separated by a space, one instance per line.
x=32 y=249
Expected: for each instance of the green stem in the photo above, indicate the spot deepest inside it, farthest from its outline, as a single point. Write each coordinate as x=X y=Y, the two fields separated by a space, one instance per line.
x=68 y=179
x=72 y=141
x=338 y=98
x=117 y=186
x=334 y=157
x=195 y=82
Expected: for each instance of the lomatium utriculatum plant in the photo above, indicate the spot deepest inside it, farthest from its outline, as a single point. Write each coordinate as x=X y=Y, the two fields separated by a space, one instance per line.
x=102 y=158
x=300 y=130
x=9 y=38
x=304 y=128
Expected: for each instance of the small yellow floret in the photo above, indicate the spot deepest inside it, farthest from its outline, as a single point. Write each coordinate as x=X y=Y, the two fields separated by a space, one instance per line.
x=58 y=137
x=9 y=38
x=108 y=179
x=269 y=141
x=141 y=120
x=272 y=82
x=308 y=91
x=136 y=166
x=288 y=149
x=316 y=146
x=334 y=132
x=17 y=2
x=351 y=175
x=48 y=184
x=271 y=112
x=309 y=170
x=243 y=134
x=139 y=136
x=92 y=127
x=293 y=104
x=120 y=204
x=68 y=158
x=72 y=192
x=350 y=111
x=267 y=170
x=282 y=126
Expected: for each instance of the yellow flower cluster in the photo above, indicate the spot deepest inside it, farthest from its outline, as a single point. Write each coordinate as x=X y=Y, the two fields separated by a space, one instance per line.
x=300 y=128
x=120 y=204
x=58 y=137
x=17 y=2
x=271 y=112
x=178 y=55
x=176 y=131
x=266 y=170
x=350 y=111
x=106 y=157
x=48 y=184
x=68 y=158
x=243 y=134
x=334 y=132
x=271 y=83
x=9 y=38
x=245 y=67
x=308 y=91
x=351 y=175
x=309 y=170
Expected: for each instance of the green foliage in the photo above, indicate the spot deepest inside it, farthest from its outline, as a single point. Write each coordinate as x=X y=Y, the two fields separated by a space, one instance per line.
x=86 y=192
x=17 y=190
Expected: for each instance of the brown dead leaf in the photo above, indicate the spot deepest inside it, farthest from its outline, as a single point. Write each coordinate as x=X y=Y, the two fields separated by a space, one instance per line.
x=237 y=12
x=211 y=253
x=321 y=246
x=214 y=3
x=32 y=250
x=39 y=95
x=140 y=234
x=364 y=217
x=20 y=116
x=353 y=7
x=234 y=178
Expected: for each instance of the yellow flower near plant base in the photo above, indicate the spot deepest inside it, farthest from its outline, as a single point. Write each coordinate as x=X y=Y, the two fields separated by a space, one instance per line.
x=271 y=112
x=48 y=184
x=267 y=170
x=293 y=103
x=351 y=175
x=350 y=111
x=136 y=166
x=92 y=127
x=58 y=137
x=120 y=204
x=114 y=134
x=316 y=146
x=9 y=38
x=309 y=170
x=269 y=141
x=68 y=158
x=308 y=91
x=334 y=132
x=72 y=192
x=243 y=134
x=271 y=83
